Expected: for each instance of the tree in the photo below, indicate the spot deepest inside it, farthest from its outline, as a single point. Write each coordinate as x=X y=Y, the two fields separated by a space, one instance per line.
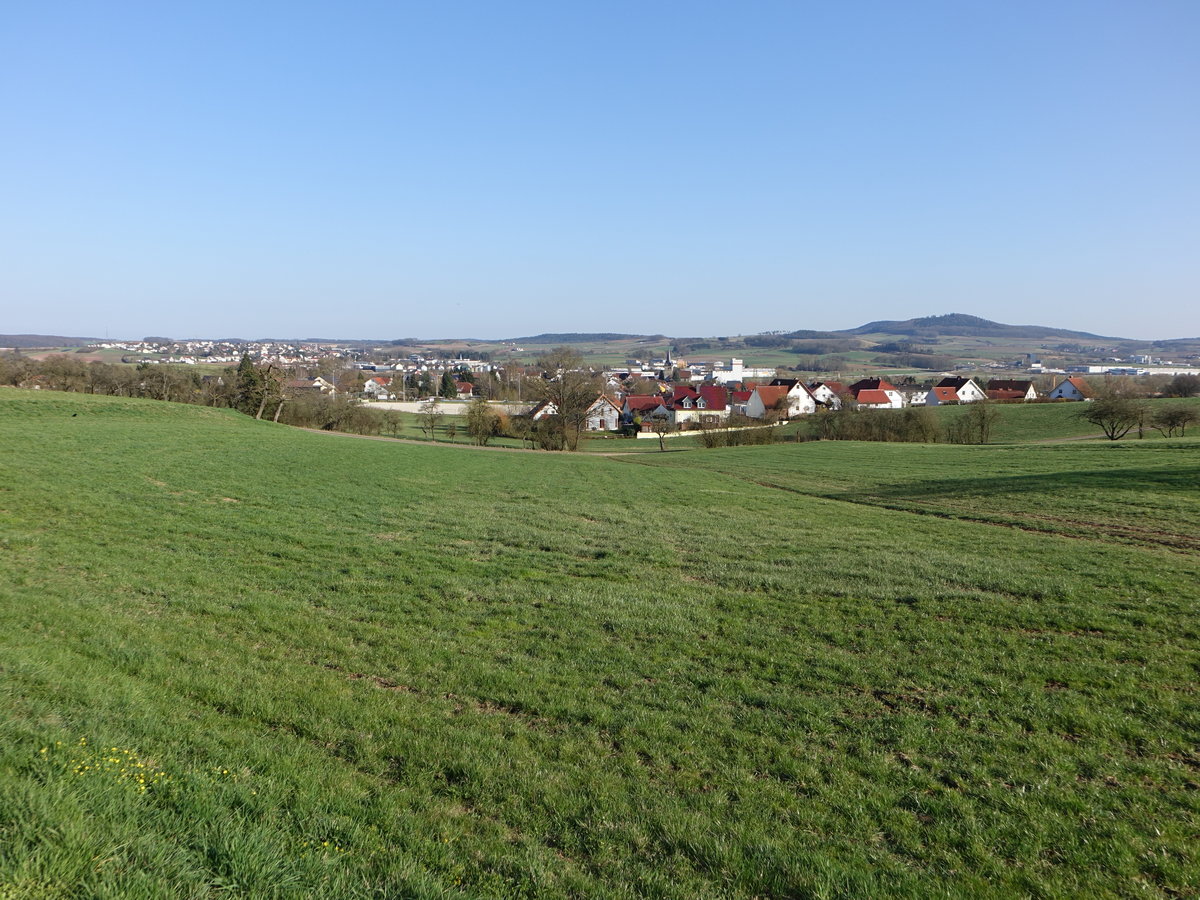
x=272 y=392
x=1183 y=386
x=1115 y=415
x=570 y=390
x=391 y=422
x=447 y=387
x=249 y=386
x=482 y=422
x=429 y=416
x=974 y=426
x=662 y=426
x=1169 y=419
x=14 y=368
x=524 y=428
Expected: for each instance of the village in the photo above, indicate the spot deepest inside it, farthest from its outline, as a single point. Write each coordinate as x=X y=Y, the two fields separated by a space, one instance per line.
x=671 y=393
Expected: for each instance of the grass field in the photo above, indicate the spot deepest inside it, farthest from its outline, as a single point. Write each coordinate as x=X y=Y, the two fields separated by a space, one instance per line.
x=237 y=659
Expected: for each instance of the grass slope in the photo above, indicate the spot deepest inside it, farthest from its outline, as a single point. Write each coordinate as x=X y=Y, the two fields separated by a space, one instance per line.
x=240 y=659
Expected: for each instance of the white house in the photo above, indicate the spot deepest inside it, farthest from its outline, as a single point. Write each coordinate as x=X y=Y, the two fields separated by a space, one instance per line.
x=603 y=415
x=915 y=396
x=1010 y=389
x=955 y=390
x=875 y=393
x=828 y=393
x=378 y=388
x=645 y=406
x=1073 y=388
x=707 y=405
x=788 y=401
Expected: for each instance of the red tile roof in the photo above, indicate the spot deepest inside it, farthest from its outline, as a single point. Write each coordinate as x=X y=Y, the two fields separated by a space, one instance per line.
x=639 y=402
x=1005 y=394
x=771 y=394
x=946 y=394
x=870 y=396
x=715 y=396
x=1080 y=385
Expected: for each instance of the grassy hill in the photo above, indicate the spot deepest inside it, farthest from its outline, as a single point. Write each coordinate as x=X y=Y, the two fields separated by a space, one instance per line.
x=243 y=659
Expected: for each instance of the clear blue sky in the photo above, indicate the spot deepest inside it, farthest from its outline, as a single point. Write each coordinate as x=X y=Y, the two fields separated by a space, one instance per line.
x=496 y=169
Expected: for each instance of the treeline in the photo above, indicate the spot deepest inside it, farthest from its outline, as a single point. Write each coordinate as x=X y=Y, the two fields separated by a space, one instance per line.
x=932 y=362
x=913 y=424
x=60 y=372
x=255 y=390
x=812 y=346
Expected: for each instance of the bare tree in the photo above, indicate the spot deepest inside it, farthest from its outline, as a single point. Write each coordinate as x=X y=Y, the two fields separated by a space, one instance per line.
x=429 y=415
x=482 y=422
x=1115 y=415
x=570 y=390
x=1184 y=385
x=980 y=417
x=662 y=426
x=1169 y=419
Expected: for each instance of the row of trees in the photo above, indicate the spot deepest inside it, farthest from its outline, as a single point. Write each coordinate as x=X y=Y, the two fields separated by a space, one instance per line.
x=1117 y=416
x=913 y=424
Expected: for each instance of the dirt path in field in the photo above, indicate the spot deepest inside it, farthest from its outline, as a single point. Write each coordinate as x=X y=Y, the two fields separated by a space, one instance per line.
x=380 y=437
x=457 y=446
x=1063 y=440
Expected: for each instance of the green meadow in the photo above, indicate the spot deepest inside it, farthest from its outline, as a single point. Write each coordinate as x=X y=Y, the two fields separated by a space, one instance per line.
x=237 y=659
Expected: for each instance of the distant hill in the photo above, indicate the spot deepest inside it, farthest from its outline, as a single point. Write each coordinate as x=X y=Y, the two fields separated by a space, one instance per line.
x=576 y=337
x=970 y=326
x=43 y=340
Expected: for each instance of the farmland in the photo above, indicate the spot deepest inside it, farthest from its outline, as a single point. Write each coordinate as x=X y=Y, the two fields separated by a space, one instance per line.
x=241 y=658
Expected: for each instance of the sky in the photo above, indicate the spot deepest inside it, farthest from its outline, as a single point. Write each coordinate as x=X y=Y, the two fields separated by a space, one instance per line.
x=484 y=169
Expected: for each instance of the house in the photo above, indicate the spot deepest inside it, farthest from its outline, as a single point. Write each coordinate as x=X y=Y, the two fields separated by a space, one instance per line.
x=955 y=390
x=875 y=393
x=644 y=406
x=464 y=390
x=915 y=394
x=1010 y=389
x=603 y=415
x=788 y=401
x=378 y=388
x=716 y=401
x=308 y=385
x=828 y=393
x=706 y=405
x=1073 y=388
